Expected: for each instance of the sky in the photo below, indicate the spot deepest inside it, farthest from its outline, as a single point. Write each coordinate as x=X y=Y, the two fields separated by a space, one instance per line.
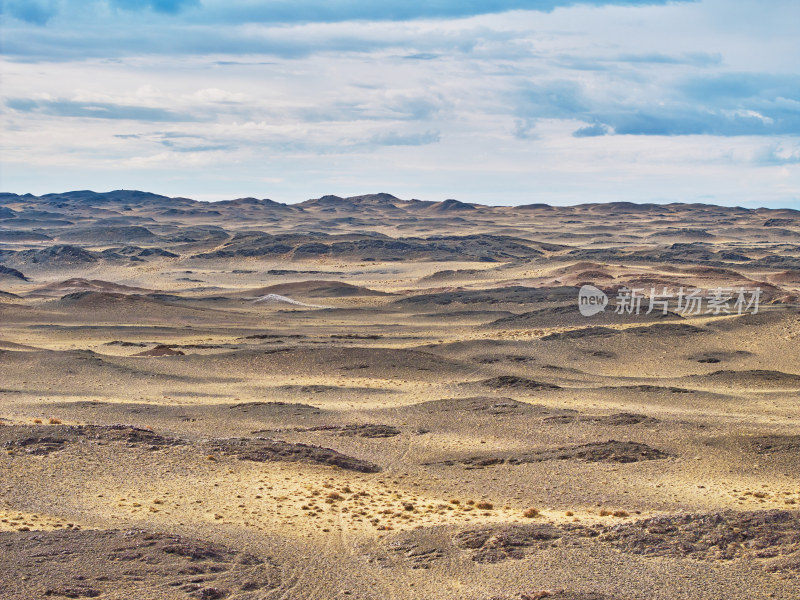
x=500 y=102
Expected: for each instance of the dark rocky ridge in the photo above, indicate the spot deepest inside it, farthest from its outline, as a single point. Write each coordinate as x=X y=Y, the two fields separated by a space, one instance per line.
x=611 y=451
x=771 y=536
x=46 y=439
x=8 y=272
x=111 y=563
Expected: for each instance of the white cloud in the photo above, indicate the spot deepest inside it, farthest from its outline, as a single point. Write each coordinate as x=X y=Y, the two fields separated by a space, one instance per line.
x=481 y=108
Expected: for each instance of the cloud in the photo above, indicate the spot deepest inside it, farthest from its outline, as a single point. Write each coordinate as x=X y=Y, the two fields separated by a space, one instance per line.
x=698 y=59
x=730 y=104
x=736 y=87
x=458 y=99
x=196 y=148
x=664 y=122
x=38 y=12
x=96 y=110
x=163 y=6
x=778 y=155
x=373 y=105
x=676 y=121
x=596 y=130
x=333 y=11
x=523 y=129
x=616 y=61
x=393 y=138
x=552 y=99
x=145 y=34
x=163 y=39
x=422 y=56
x=257 y=138
x=178 y=142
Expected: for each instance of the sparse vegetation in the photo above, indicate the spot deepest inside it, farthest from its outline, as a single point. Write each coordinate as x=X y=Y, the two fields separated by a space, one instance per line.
x=304 y=407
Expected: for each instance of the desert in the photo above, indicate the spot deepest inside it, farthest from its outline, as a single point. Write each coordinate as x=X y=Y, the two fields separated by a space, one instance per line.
x=373 y=397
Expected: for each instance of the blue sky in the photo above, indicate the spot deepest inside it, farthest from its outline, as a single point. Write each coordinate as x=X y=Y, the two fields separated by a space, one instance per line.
x=499 y=102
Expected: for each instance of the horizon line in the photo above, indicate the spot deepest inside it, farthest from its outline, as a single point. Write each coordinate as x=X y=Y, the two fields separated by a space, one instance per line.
x=532 y=205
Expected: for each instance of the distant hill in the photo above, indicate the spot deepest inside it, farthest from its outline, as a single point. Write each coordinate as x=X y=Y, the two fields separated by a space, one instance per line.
x=70 y=230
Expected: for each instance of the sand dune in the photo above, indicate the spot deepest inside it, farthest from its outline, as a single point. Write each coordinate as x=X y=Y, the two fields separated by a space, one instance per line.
x=316 y=289
x=79 y=284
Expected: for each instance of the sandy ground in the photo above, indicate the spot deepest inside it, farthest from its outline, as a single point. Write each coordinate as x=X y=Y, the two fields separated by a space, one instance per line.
x=443 y=429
